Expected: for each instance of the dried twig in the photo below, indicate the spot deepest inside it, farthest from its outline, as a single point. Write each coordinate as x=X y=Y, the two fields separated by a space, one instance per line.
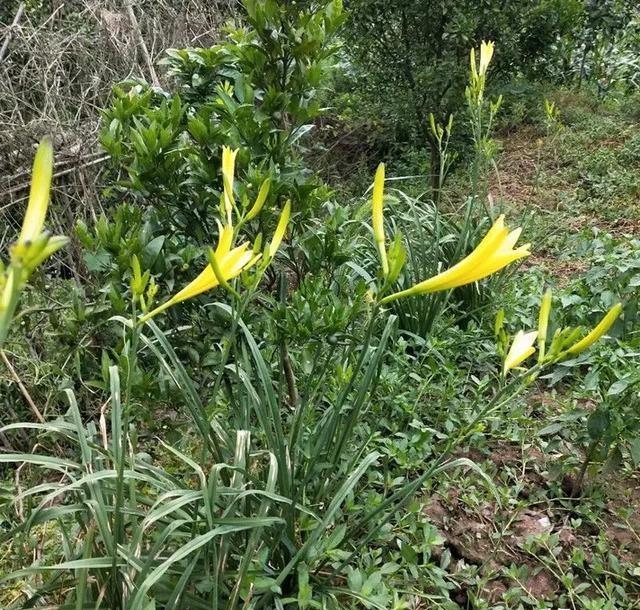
x=25 y=185
x=55 y=77
x=23 y=389
x=141 y=43
x=7 y=38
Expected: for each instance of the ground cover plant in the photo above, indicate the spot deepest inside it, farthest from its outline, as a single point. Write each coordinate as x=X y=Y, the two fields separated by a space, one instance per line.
x=415 y=386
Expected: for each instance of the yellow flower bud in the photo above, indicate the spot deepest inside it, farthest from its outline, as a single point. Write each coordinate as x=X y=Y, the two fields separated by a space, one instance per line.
x=39 y=193
x=521 y=349
x=603 y=326
x=543 y=323
x=378 y=218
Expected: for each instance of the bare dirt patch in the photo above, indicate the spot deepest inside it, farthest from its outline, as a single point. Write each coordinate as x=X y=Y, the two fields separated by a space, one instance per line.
x=495 y=538
x=562 y=270
x=514 y=183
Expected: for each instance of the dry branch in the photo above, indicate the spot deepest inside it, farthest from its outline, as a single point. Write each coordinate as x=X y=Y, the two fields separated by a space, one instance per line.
x=141 y=43
x=7 y=38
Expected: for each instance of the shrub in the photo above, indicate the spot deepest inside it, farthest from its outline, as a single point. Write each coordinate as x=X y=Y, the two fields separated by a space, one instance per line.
x=410 y=56
x=260 y=91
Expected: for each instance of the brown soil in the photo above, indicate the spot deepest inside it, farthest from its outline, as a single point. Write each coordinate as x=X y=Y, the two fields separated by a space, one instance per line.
x=516 y=184
x=495 y=538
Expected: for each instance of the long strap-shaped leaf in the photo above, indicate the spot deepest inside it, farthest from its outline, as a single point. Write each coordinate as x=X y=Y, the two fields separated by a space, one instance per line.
x=192 y=399
x=347 y=424
x=248 y=554
x=345 y=489
x=186 y=550
x=275 y=436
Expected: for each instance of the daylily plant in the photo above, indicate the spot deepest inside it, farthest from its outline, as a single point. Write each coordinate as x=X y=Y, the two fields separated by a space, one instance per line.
x=495 y=251
x=228 y=262
x=34 y=245
x=566 y=342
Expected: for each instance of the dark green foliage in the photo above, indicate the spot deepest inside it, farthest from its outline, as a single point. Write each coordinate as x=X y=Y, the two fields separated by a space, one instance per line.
x=259 y=91
x=607 y=45
x=410 y=57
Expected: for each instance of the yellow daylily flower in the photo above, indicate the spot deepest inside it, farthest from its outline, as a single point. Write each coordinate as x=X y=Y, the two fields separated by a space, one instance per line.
x=603 y=326
x=39 y=193
x=280 y=229
x=228 y=171
x=231 y=262
x=520 y=350
x=543 y=323
x=493 y=253
x=378 y=218
x=486 y=53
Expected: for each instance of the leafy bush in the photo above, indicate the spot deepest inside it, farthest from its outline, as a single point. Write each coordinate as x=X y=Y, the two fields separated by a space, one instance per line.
x=260 y=91
x=409 y=57
x=607 y=46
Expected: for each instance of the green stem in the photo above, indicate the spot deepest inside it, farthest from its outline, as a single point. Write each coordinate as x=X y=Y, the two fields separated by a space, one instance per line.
x=119 y=522
x=6 y=315
x=576 y=488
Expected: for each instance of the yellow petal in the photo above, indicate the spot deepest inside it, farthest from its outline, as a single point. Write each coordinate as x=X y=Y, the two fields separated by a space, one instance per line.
x=39 y=194
x=53 y=244
x=499 y=260
x=486 y=53
x=231 y=265
x=225 y=240
x=378 y=217
x=280 y=229
x=455 y=276
x=511 y=239
x=603 y=326
x=206 y=280
x=493 y=253
x=521 y=349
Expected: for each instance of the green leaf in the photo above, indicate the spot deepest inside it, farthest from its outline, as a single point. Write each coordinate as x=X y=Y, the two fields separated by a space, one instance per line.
x=305 y=591
x=597 y=424
x=634 y=450
x=551 y=429
x=618 y=387
x=151 y=251
x=389 y=568
x=189 y=548
x=614 y=461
